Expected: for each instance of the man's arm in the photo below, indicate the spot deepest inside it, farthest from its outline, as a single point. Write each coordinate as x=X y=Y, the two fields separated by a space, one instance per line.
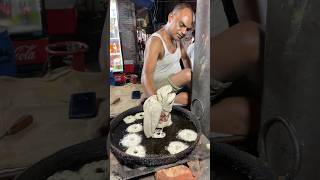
x=152 y=52
x=253 y=11
x=184 y=56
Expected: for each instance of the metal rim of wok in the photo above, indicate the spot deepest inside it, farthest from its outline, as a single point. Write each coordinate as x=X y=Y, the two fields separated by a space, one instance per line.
x=155 y=160
x=241 y=162
x=70 y=158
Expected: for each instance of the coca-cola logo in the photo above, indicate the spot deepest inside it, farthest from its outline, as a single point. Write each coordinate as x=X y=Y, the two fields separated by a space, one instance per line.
x=26 y=52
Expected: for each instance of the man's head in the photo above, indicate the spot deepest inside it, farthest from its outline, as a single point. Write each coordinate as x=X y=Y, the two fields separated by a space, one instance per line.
x=180 y=21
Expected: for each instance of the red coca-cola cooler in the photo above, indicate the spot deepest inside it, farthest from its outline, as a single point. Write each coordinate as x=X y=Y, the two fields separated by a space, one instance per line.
x=26 y=26
x=31 y=52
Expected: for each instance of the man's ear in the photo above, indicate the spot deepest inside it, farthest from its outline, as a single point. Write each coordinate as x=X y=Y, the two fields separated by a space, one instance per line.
x=170 y=17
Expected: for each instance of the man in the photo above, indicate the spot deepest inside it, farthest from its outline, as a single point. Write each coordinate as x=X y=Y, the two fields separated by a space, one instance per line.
x=163 y=52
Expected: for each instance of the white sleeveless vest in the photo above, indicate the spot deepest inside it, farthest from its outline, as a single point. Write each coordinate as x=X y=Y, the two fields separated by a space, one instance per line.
x=168 y=65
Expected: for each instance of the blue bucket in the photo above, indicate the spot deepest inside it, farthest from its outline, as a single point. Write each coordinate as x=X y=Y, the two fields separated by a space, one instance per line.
x=7 y=55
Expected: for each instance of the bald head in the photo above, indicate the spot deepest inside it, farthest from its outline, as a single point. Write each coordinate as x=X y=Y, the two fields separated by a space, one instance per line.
x=184 y=7
x=180 y=21
x=181 y=6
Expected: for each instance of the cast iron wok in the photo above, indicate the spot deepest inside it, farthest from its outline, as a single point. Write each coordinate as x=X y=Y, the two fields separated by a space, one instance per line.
x=157 y=156
x=71 y=158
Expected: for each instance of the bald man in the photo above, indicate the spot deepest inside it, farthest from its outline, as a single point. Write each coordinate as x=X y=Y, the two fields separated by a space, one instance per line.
x=163 y=52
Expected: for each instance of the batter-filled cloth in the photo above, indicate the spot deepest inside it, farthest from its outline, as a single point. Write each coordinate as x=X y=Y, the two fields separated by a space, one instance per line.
x=154 y=106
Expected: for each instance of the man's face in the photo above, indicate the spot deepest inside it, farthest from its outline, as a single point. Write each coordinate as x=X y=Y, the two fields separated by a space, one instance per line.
x=180 y=23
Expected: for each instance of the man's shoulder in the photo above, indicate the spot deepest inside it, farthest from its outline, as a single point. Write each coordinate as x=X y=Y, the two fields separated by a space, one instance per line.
x=155 y=41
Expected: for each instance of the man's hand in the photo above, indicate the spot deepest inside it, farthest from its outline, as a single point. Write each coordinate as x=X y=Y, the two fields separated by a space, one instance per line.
x=184 y=56
x=163 y=117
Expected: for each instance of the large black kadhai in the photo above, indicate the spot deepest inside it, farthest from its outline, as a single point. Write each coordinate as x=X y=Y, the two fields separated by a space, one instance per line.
x=156 y=154
x=71 y=158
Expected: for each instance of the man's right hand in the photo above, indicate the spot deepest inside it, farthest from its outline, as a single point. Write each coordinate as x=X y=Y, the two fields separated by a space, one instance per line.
x=163 y=117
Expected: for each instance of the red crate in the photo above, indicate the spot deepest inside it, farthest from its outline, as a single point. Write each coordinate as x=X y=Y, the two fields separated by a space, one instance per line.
x=61 y=16
x=61 y=21
x=129 y=68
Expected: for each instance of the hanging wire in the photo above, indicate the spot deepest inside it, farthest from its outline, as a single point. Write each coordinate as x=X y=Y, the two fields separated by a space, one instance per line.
x=155 y=10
